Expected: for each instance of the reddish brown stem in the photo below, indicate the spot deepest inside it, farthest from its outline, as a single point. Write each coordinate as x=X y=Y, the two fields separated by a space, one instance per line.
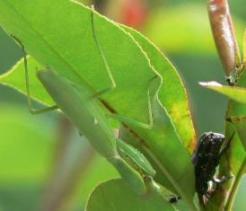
x=224 y=34
x=65 y=177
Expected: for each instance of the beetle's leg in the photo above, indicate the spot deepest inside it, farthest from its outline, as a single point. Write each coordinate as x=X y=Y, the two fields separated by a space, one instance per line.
x=206 y=197
x=222 y=180
x=105 y=61
x=29 y=99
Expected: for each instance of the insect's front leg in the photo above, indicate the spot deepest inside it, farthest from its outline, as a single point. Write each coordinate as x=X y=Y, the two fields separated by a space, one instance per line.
x=27 y=81
x=221 y=180
x=103 y=57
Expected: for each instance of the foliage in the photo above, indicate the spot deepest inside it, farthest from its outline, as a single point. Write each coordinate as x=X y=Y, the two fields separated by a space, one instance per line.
x=131 y=82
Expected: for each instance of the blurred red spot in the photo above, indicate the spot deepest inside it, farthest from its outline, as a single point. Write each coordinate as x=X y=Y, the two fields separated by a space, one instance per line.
x=133 y=13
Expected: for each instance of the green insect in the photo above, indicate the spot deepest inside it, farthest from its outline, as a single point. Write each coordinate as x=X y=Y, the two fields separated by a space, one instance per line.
x=81 y=104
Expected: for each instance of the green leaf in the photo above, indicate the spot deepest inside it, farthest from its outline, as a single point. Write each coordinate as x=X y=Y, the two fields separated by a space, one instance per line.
x=15 y=78
x=66 y=45
x=159 y=145
x=177 y=107
x=233 y=92
x=237 y=94
x=136 y=157
x=116 y=195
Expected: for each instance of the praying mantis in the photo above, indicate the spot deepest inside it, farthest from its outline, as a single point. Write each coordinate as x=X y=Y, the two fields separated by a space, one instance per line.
x=80 y=103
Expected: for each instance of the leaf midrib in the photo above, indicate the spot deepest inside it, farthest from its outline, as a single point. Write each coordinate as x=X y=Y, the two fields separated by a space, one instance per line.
x=52 y=48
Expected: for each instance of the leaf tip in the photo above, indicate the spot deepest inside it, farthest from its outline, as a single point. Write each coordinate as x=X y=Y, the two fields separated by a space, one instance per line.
x=210 y=83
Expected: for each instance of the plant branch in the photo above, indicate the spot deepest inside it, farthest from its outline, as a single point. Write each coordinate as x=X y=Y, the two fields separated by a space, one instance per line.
x=65 y=174
x=224 y=35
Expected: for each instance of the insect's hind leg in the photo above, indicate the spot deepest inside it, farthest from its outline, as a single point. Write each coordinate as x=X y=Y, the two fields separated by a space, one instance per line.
x=221 y=180
x=27 y=82
x=101 y=52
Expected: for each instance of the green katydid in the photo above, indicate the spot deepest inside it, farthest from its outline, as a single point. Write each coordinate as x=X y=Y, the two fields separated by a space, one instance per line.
x=83 y=109
x=80 y=104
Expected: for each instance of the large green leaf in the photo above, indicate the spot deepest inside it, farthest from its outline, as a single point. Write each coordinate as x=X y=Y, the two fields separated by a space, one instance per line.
x=172 y=93
x=128 y=56
x=66 y=45
x=177 y=107
x=159 y=144
x=115 y=195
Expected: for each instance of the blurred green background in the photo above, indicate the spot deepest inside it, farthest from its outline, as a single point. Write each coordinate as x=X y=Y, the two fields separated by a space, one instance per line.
x=46 y=165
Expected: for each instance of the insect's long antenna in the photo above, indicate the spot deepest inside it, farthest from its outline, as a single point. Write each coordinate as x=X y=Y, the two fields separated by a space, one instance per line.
x=99 y=47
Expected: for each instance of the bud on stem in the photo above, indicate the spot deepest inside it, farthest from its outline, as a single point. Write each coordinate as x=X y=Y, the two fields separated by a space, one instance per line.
x=224 y=35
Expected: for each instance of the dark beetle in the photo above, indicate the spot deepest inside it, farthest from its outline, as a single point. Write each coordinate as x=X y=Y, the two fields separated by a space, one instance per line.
x=205 y=160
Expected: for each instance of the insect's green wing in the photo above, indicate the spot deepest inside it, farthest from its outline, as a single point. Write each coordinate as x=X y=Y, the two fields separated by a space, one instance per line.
x=135 y=156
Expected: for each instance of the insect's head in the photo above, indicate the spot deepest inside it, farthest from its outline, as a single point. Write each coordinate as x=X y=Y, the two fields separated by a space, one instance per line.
x=211 y=142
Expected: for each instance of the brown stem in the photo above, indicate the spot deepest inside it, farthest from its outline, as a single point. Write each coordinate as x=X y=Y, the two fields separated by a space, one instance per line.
x=224 y=35
x=65 y=176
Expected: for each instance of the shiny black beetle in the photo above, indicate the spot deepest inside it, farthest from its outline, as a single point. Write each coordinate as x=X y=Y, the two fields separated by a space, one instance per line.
x=206 y=159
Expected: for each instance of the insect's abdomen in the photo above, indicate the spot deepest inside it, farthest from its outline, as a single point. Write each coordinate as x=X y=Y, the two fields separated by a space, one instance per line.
x=80 y=105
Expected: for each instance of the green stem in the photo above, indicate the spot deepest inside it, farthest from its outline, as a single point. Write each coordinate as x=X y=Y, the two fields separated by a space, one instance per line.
x=235 y=186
